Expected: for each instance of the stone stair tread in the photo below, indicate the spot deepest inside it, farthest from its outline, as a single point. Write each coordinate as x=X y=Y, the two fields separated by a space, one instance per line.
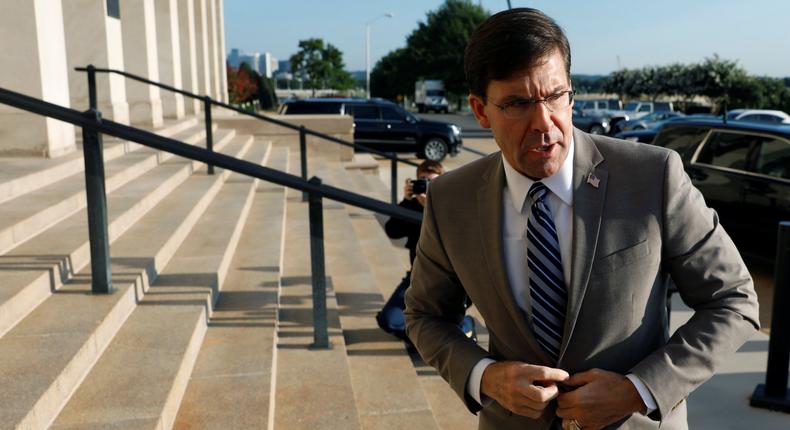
x=71 y=327
x=41 y=264
x=32 y=212
x=19 y=175
x=369 y=348
x=156 y=362
x=448 y=410
x=233 y=372
x=312 y=387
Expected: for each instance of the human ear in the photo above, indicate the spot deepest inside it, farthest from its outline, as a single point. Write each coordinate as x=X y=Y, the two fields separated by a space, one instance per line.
x=478 y=108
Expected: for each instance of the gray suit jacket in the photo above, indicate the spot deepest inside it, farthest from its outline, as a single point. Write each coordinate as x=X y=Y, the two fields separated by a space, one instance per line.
x=642 y=226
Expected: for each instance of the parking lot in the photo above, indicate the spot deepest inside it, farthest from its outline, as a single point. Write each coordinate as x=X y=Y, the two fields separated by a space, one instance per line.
x=480 y=140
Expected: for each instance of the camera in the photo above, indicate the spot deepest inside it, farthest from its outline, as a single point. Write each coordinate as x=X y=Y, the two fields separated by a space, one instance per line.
x=419 y=186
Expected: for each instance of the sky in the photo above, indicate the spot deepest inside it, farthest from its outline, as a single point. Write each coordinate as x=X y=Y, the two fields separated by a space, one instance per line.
x=605 y=35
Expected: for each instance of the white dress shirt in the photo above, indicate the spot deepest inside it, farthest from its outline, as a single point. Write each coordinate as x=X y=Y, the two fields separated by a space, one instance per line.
x=515 y=210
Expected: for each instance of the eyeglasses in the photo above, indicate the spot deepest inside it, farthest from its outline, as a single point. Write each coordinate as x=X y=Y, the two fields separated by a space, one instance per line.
x=520 y=108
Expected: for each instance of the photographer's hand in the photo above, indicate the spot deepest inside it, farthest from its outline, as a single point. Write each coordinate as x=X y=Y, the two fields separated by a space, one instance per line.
x=422 y=198
x=408 y=194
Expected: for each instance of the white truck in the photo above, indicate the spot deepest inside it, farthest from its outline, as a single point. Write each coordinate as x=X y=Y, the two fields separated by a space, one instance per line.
x=429 y=96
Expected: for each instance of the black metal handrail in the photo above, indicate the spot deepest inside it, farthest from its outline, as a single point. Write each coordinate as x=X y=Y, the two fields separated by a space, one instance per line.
x=93 y=126
x=303 y=131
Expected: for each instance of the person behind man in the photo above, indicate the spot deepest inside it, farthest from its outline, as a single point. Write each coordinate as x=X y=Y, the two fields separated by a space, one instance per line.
x=566 y=243
x=427 y=171
x=391 y=319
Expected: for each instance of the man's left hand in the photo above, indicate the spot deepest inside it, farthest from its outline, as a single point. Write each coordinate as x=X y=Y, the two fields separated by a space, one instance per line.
x=599 y=398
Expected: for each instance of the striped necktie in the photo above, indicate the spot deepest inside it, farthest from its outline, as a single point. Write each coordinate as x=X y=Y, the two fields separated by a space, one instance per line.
x=546 y=281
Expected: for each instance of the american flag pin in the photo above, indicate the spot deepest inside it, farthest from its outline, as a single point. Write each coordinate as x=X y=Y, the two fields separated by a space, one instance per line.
x=593 y=180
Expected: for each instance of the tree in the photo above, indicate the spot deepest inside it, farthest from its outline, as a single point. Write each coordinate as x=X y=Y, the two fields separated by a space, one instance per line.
x=435 y=50
x=320 y=66
x=242 y=84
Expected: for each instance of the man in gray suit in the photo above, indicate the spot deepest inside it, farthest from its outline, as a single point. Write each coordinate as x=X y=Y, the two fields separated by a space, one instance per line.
x=566 y=243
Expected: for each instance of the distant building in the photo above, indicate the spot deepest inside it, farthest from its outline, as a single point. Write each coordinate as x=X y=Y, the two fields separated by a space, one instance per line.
x=234 y=58
x=284 y=66
x=263 y=64
x=268 y=65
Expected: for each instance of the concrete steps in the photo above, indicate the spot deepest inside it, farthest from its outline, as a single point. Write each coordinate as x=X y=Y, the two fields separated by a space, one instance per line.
x=46 y=355
x=22 y=175
x=312 y=387
x=388 y=263
x=232 y=382
x=151 y=363
x=36 y=268
x=384 y=399
x=211 y=322
x=32 y=212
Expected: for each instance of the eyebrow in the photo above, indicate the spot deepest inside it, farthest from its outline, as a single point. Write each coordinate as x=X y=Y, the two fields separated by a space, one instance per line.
x=513 y=97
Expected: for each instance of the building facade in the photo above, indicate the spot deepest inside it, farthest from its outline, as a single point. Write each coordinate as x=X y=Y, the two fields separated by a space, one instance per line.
x=180 y=43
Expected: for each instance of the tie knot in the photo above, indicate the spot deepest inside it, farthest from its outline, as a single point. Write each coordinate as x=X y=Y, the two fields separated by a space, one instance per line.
x=537 y=192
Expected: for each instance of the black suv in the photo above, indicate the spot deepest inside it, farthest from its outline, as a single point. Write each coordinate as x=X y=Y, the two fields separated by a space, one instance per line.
x=385 y=126
x=743 y=170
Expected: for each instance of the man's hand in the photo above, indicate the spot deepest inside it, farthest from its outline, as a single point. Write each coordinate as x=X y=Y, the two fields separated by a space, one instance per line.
x=522 y=388
x=599 y=399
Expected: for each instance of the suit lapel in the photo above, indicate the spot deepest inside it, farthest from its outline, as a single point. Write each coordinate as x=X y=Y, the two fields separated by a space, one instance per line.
x=489 y=206
x=588 y=203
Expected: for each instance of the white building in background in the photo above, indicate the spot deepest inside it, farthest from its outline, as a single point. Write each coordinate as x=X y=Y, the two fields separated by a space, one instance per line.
x=263 y=64
x=175 y=42
x=268 y=65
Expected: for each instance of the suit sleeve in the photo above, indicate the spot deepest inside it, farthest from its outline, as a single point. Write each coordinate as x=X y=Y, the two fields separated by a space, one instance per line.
x=435 y=307
x=712 y=279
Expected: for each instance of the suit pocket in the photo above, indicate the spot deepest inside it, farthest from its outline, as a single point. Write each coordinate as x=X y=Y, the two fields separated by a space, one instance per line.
x=624 y=256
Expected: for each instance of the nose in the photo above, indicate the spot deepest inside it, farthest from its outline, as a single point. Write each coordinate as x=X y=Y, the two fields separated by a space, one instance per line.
x=540 y=118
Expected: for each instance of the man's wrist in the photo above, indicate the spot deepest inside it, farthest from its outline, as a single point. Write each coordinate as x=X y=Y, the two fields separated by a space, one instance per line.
x=644 y=403
x=474 y=385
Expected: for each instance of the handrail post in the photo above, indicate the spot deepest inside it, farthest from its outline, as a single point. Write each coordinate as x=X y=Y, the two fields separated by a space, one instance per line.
x=101 y=277
x=209 y=130
x=92 y=97
x=774 y=393
x=303 y=156
x=394 y=179
x=320 y=325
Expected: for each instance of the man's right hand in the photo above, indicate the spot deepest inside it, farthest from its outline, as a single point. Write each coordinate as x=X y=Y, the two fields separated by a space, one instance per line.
x=522 y=388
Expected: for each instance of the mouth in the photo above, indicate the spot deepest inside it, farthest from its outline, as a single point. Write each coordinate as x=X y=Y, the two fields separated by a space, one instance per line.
x=544 y=150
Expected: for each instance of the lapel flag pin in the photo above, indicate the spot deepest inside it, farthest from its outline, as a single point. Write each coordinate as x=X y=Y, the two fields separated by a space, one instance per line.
x=593 y=180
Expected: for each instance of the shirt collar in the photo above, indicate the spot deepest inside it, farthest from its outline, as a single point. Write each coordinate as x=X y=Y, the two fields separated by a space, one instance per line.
x=560 y=183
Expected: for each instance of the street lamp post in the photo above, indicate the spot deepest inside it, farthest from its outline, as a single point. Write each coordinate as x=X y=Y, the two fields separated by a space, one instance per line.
x=367 y=50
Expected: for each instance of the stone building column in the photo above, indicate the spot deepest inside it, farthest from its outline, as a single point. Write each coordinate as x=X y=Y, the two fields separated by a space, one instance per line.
x=138 y=19
x=222 y=56
x=201 y=39
x=213 y=42
x=169 y=50
x=33 y=62
x=189 y=68
x=94 y=37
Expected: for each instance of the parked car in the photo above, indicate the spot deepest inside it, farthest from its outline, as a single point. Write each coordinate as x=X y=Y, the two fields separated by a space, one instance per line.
x=647 y=121
x=385 y=126
x=591 y=123
x=598 y=104
x=649 y=134
x=643 y=136
x=759 y=115
x=743 y=171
